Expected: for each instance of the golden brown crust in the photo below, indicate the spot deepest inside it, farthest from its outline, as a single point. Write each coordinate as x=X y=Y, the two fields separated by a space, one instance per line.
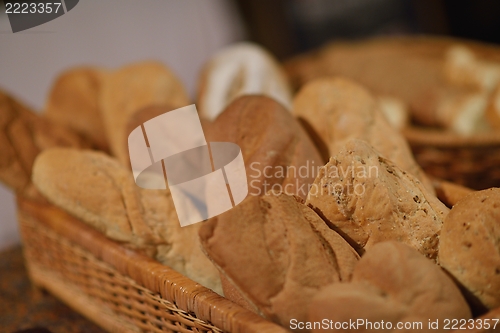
x=276 y=252
x=369 y=200
x=393 y=283
x=132 y=88
x=101 y=192
x=24 y=134
x=276 y=150
x=470 y=248
x=73 y=101
x=339 y=109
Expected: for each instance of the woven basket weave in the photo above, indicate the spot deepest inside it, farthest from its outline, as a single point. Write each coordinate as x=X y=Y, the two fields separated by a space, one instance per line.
x=117 y=288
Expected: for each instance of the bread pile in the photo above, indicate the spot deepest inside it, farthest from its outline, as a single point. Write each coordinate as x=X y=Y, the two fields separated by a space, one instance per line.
x=452 y=89
x=340 y=222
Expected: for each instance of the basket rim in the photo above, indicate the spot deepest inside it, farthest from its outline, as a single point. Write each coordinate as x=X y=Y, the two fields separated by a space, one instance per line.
x=149 y=273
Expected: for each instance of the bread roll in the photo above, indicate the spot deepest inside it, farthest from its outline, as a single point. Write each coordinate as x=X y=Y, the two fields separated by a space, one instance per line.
x=130 y=89
x=339 y=109
x=241 y=69
x=462 y=68
x=369 y=199
x=73 y=101
x=493 y=109
x=450 y=193
x=276 y=150
x=277 y=253
x=395 y=111
x=101 y=192
x=23 y=134
x=469 y=248
x=391 y=283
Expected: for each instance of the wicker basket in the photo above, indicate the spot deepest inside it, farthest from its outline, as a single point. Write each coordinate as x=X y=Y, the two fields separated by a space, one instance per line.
x=472 y=161
x=117 y=288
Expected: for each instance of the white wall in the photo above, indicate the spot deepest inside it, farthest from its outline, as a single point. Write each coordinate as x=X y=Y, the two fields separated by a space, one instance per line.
x=110 y=33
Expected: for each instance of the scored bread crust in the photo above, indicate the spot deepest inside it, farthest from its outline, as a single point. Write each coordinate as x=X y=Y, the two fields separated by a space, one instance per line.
x=391 y=283
x=101 y=192
x=369 y=199
x=23 y=135
x=276 y=253
x=273 y=144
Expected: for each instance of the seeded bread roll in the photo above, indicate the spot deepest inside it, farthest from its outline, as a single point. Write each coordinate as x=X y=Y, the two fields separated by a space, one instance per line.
x=276 y=253
x=130 y=89
x=391 y=283
x=277 y=152
x=73 y=101
x=469 y=248
x=339 y=109
x=23 y=135
x=101 y=192
x=369 y=199
x=241 y=69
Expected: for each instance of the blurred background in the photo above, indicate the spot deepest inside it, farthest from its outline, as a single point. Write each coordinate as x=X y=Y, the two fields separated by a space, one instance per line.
x=183 y=34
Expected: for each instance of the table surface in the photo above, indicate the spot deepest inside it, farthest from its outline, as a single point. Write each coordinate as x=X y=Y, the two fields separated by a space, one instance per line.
x=24 y=307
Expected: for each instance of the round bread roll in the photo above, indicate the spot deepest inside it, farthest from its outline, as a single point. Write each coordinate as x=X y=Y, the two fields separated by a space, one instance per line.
x=470 y=245
x=241 y=69
x=391 y=283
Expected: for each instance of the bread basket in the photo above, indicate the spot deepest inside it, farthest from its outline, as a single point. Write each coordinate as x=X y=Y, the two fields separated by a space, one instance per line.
x=117 y=288
x=472 y=161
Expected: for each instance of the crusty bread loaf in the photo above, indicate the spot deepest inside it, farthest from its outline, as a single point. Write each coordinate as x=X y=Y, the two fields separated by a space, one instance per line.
x=276 y=150
x=339 y=109
x=101 y=192
x=130 y=89
x=469 y=248
x=73 y=101
x=276 y=252
x=240 y=69
x=370 y=199
x=23 y=134
x=391 y=283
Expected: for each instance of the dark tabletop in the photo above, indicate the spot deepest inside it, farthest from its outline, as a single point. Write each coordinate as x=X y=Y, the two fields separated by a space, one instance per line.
x=22 y=307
